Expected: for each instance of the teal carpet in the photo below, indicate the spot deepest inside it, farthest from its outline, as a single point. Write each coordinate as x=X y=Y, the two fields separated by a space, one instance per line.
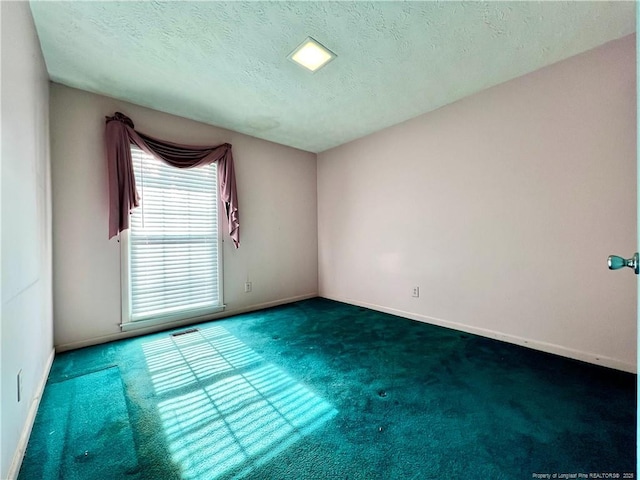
x=85 y=422
x=323 y=390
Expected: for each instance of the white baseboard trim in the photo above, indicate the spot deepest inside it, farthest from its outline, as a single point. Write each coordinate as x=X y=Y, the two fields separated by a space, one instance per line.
x=167 y=326
x=16 y=463
x=504 y=337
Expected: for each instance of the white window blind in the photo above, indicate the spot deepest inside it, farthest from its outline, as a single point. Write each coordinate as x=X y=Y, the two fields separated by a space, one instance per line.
x=173 y=242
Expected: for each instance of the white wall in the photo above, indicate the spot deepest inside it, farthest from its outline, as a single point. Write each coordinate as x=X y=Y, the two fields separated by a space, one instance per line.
x=502 y=208
x=26 y=333
x=278 y=216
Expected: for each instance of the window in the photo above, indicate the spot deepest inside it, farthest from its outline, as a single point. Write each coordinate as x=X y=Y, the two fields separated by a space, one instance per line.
x=171 y=251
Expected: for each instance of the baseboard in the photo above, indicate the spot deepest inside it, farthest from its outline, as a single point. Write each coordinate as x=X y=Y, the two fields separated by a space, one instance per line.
x=167 y=326
x=504 y=337
x=14 y=469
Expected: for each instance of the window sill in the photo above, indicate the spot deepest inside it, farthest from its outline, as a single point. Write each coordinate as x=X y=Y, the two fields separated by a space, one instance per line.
x=167 y=321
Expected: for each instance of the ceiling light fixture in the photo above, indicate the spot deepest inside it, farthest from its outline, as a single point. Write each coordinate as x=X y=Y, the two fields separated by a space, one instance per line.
x=311 y=55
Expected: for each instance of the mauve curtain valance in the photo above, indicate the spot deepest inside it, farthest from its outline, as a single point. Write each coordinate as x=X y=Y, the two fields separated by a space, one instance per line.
x=123 y=196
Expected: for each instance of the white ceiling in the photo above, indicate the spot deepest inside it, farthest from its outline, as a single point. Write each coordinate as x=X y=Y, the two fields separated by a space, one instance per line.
x=225 y=63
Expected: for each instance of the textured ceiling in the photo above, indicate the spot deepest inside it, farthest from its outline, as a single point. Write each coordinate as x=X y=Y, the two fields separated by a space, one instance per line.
x=225 y=63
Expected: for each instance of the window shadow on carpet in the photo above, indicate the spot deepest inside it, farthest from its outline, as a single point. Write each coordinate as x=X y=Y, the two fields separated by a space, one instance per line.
x=224 y=409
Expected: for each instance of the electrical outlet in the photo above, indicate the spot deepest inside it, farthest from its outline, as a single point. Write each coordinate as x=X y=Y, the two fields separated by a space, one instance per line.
x=247 y=287
x=415 y=292
x=19 y=385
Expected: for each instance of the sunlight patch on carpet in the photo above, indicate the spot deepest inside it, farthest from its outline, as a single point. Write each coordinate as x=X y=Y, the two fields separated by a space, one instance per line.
x=225 y=409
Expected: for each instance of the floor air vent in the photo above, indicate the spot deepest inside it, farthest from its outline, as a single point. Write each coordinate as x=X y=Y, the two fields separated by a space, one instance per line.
x=184 y=332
